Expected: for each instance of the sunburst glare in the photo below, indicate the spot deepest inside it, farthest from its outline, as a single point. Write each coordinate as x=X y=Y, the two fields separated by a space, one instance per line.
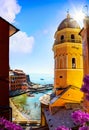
x=79 y=15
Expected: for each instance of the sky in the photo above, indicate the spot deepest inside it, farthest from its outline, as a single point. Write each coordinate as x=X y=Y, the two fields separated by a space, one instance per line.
x=31 y=47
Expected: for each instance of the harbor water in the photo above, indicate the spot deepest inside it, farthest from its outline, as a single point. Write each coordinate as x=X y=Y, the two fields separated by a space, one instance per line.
x=29 y=106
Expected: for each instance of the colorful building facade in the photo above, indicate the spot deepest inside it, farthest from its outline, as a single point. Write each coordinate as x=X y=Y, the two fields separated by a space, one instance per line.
x=68 y=57
x=17 y=80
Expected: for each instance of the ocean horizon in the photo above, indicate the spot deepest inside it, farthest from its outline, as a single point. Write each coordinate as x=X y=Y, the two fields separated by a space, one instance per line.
x=42 y=78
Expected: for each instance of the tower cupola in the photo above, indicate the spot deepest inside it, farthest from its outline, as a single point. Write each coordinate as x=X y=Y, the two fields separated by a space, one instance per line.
x=66 y=31
x=68 y=23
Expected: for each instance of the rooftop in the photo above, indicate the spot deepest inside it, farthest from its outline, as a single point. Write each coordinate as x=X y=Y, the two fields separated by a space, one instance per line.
x=62 y=117
x=68 y=23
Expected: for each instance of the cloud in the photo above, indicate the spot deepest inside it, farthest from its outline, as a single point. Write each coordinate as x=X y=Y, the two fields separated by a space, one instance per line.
x=9 y=9
x=21 y=43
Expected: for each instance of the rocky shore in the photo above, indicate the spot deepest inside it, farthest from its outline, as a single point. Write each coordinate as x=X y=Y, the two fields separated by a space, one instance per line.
x=16 y=114
x=18 y=117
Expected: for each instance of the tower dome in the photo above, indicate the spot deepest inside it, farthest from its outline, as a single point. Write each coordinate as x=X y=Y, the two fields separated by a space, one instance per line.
x=68 y=23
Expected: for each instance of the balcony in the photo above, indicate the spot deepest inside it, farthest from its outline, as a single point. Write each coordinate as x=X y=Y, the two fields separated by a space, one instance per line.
x=67 y=40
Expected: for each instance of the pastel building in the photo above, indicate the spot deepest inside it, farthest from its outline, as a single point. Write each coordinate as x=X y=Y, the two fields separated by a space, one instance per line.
x=17 y=80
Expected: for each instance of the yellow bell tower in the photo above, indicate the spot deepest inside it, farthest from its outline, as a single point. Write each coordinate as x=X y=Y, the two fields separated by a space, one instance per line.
x=68 y=58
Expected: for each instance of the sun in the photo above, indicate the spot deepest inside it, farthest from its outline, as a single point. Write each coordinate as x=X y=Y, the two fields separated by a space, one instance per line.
x=78 y=15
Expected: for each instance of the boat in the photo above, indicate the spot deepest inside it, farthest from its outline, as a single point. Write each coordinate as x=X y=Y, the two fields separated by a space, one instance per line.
x=41 y=79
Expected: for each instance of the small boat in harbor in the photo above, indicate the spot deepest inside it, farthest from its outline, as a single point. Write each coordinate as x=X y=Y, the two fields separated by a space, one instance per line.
x=41 y=79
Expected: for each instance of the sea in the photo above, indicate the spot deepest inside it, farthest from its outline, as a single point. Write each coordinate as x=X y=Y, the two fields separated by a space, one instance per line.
x=42 y=78
x=30 y=107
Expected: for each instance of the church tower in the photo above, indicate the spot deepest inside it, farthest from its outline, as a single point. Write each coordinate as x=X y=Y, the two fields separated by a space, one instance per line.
x=68 y=75
x=68 y=58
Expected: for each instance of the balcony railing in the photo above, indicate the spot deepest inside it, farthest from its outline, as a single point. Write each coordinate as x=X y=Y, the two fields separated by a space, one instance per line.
x=67 y=40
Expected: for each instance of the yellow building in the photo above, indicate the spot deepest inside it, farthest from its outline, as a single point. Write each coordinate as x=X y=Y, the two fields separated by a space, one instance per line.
x=68 y=76
x=68 y=56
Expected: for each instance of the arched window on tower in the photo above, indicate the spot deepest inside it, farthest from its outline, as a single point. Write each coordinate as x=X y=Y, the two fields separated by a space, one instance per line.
x=73 y=63
x=72 y=38
x=62 y=38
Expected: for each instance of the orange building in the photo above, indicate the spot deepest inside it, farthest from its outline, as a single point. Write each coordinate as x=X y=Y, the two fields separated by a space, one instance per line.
x=68 y=56
x=85 y=39
x=17 y=80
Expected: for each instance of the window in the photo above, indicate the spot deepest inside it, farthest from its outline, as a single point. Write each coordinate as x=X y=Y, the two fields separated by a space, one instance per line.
x=73 y=63
x=61 y=77
x=72 y=37
x=62 y=38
